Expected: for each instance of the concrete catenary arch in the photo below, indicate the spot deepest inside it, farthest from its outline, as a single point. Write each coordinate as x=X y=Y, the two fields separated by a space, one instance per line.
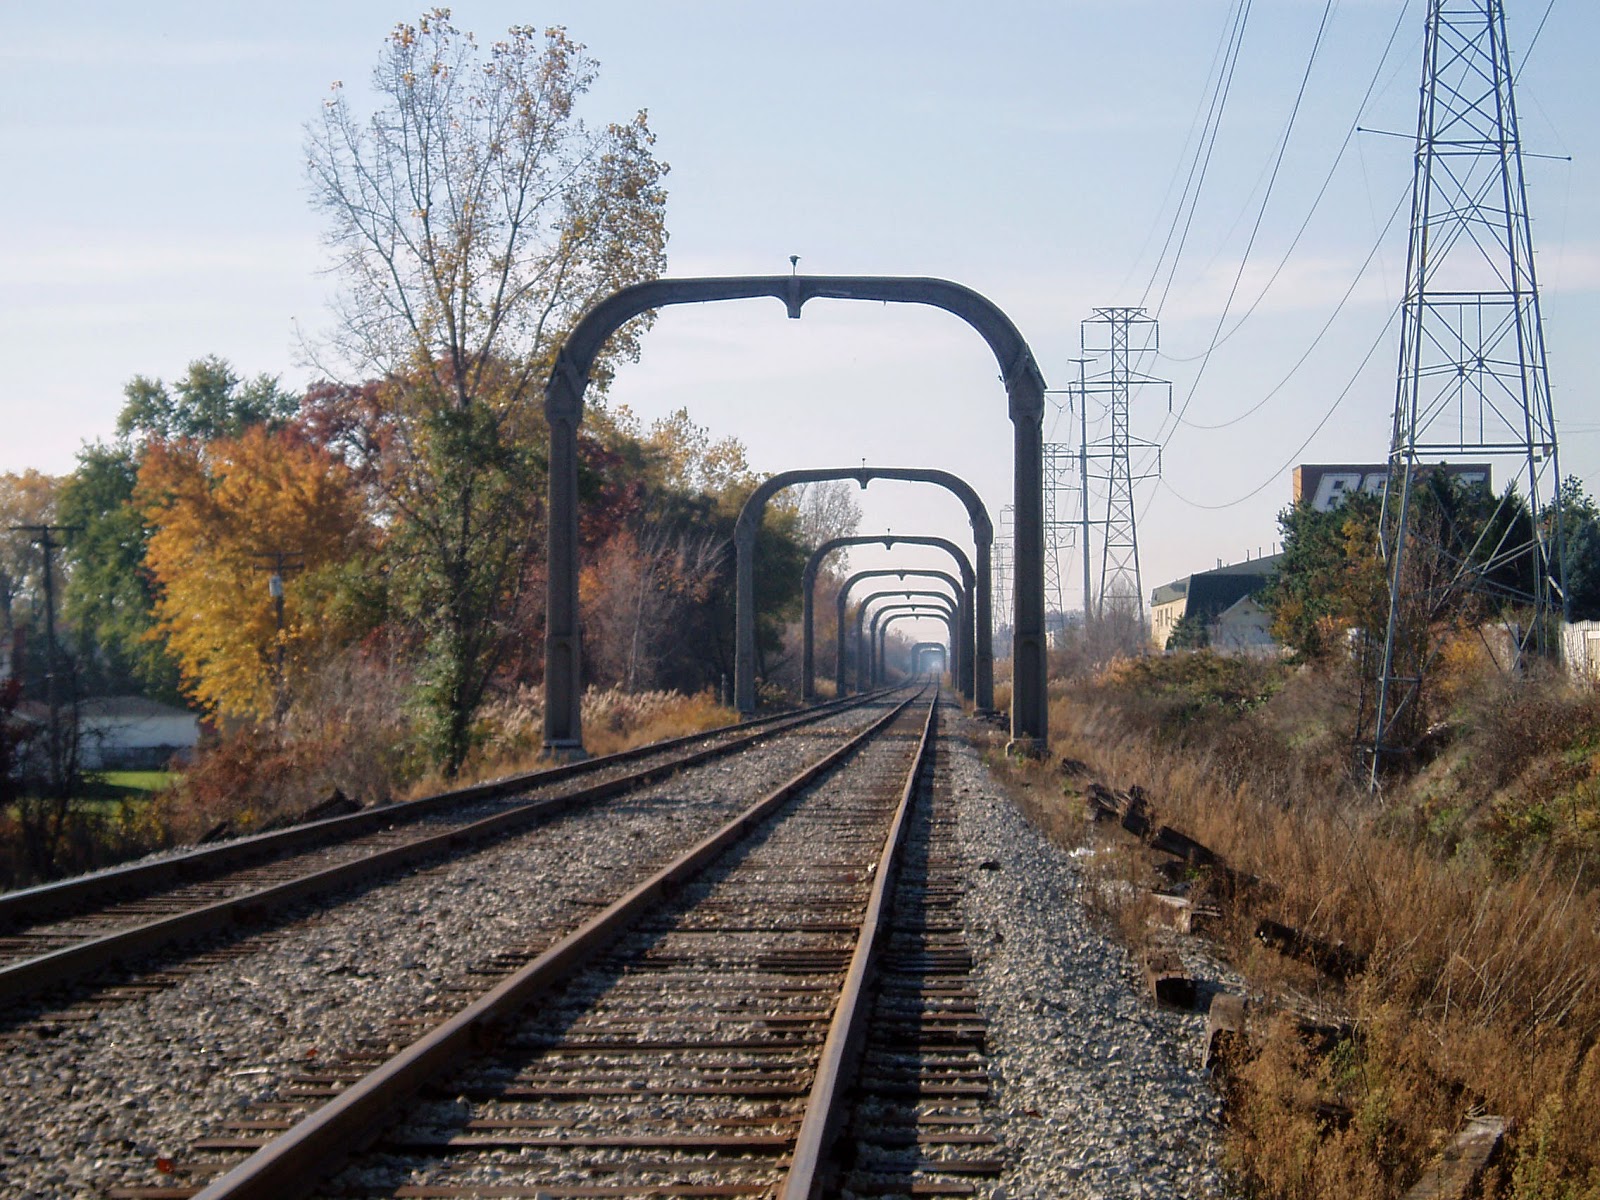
x=569 y=377
x=749 y=524
x=882 y=651
x=886 y=616
x=967 y=644
x=962 y=609
x=922 y=652
x=924 y=596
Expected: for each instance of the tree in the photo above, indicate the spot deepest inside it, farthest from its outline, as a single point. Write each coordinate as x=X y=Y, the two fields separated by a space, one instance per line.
x=26 y=499
x=210 y=401
x=1330 y=578
x=475 y=217
x=1191 y=632
x=226 y=514
x=1580 y=519
x=108 y=598
x=827 y=510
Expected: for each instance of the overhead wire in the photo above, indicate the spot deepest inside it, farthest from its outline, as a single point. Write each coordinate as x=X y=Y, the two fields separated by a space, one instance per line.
x=1255 y=230
x=1338 y=400
x=1371 y=350
x=1212 y=77
x=1327 y=180
x=1326 y=325
x=1201 y=163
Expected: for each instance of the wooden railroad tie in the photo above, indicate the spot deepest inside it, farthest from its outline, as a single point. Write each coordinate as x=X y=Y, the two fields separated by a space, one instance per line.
x=1455 y=1173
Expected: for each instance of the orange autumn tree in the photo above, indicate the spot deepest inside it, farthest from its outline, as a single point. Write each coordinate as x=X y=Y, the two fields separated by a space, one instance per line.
x=223 y=511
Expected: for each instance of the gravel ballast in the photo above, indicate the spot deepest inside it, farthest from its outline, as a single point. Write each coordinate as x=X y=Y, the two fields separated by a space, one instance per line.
x=1101 y=1094
x=97 y=1104
x=1098 y=1093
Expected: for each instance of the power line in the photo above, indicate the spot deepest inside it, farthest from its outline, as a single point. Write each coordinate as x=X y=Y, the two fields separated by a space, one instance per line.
x=1326 y=417
x=1316 y=203
x=1321 y=333
x=1261 y=214
x=1202 y=162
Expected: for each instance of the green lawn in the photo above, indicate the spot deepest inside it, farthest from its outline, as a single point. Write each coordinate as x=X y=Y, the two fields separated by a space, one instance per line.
x=105 y=790
x=133 y=783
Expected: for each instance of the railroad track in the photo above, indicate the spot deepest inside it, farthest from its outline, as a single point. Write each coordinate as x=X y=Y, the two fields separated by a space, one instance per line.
x=700 y=1037
x=58 y=934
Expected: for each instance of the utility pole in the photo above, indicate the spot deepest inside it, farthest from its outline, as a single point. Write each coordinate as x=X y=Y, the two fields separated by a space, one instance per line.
x=1472 y=377
x=1060 y=530
x=63 y=751
x=1083 y=484
x=279 y=563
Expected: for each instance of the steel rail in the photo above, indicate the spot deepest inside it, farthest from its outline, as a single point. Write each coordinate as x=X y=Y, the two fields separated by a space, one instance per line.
x=29 y=976
x=298 y=1160
x=72 y=896
x=836 y=1067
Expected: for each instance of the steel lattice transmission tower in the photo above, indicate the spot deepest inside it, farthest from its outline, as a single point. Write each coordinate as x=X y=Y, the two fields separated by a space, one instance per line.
x=1060 y=526
x=1004 y=545
x=1126 y=335
x=1472 y=378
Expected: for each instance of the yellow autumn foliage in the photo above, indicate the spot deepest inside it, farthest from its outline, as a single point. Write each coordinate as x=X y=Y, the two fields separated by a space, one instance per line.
x=222 y=511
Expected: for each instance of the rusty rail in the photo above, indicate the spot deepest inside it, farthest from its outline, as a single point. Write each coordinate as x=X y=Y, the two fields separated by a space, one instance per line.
x=22 y=979
x=825 y=1108
x=294 y=1163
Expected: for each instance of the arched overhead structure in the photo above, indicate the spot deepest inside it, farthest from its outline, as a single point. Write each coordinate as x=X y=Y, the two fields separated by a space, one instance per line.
x=926 y=655
x=886 y=616
x=563 y=406
x=880 y=638
x=925 y=598
x=881 y=651
x=749 y=524
x=966 y=646
x=963 y=609
x=843 y=599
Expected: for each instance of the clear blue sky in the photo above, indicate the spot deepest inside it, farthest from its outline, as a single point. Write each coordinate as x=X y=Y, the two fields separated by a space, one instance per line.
x=155 y=211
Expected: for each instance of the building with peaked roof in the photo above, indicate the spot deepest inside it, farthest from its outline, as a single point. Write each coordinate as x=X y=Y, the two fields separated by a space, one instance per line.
x=125 y=732
x=1206 y=595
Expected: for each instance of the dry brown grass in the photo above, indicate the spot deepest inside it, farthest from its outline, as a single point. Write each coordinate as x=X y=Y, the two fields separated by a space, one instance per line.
x=1483 y=986
x=512 y=737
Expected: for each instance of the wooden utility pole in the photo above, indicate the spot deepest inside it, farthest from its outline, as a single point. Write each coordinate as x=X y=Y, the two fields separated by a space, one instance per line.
x=63 y=758
x=279 y=563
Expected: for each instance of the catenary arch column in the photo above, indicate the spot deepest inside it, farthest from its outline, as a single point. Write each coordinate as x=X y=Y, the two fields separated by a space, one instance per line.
x=962 y=608
x=569 y=377
x=877 y=668
x=840 y=603
x=964 y=653
x=917 y=648
x=749 y=525
x=863 y=648
x=863 y=674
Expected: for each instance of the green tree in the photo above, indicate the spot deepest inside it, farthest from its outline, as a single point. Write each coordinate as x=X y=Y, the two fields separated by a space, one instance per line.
x=475 y=217
x=210 y=401
x=1190 y=632
x=1329 y=579
x=108 y=599
x=1580 y=519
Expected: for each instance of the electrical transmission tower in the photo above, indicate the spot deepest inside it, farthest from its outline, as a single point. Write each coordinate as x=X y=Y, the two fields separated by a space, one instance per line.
x=1472 y=377
x=1060 y=528
x=1004 y=545
x=1126 y=335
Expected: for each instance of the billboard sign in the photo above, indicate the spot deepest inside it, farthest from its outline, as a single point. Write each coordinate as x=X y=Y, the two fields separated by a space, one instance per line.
x=1324 y=486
